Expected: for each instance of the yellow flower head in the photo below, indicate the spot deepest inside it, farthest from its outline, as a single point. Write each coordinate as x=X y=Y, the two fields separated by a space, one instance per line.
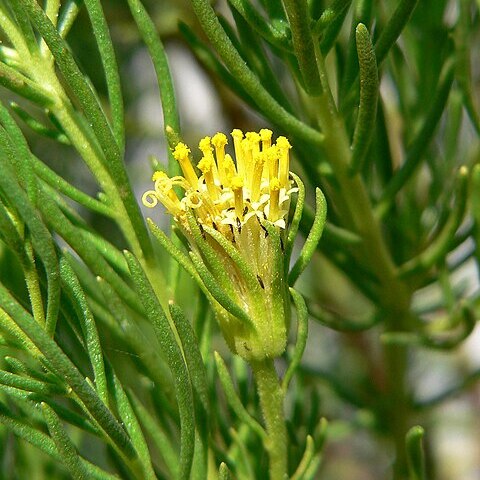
x=233 y=209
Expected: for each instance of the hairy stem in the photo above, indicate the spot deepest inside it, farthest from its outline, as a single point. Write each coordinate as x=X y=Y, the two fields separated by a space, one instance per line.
x=271 y=401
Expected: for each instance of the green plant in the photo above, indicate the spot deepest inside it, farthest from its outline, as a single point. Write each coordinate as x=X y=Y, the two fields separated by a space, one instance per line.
x=109 y=369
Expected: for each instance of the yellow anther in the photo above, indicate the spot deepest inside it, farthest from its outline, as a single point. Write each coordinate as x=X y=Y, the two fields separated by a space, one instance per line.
x=206 y=165
x=283 y=147
x=219 y=141
x=228 y=170
x=237 y=187
x=282 y=142
x=237 y=133
x=272 y=160
x=274 y=196
x=205 y=145
x=266 y=137
x=237 y=136
x=247 y=160
x=254 y=139
x=180 y=153
x=158 y=175
x=259 y=160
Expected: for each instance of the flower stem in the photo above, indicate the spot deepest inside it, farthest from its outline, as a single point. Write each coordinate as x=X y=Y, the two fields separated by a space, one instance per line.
x=271 y=401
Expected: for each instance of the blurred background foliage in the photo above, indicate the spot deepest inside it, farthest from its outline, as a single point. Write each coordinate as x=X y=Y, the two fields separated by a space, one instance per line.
x=427 y=118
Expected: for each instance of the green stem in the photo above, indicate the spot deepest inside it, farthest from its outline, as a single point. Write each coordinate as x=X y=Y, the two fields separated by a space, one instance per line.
x=398 y=407
x=271 y=401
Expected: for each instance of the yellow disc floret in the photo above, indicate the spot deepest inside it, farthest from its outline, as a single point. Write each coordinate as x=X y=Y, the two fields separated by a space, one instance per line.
x=181 y=154
x=219 y=141
x=232 y=190
x=274 y=196
x=205 y=165
x=283 y=146
x=237 y=188
x=266 y=137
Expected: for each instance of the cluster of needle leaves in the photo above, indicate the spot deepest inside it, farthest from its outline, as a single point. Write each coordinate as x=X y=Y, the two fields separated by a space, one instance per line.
x=107 y=365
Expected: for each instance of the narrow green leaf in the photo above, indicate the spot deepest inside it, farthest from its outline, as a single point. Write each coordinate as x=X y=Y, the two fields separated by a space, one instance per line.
x=173 y=354
x=160 y=439
x=24 y=26
x=39 y=127
x=10 y=234
x=73 y=418
x=362 y=13
x=307 y=457
x=132 y=426
x=110 y=67
x=125 y=327
x=233 y=399
x=415 y=453
x=16 y=337
x=22 y=158
x=463 y=321
x=338 y=235
x=301 y=340
x=330 y=15
x=193 y=357
x=421 y=141
x=22 y=368
x=30 y=385
x=367 y=111
x=333 y=29
x=394 y=28
x=89 y=329
x=177 y=254
x=244 y=464
x=224 y=472
x=148 y=31
x=297 y=216
x=64 y=445
x=475 y=207
x=312 y=239
x=67 y=17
